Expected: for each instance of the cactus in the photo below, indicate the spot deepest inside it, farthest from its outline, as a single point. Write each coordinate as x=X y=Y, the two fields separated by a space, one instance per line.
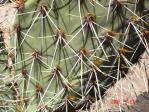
x=66 y=54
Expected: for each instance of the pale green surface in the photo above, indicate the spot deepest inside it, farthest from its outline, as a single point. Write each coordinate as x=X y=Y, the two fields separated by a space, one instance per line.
x=45 y=27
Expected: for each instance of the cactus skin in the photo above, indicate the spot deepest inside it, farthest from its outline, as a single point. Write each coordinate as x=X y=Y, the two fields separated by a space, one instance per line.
x=64 y=62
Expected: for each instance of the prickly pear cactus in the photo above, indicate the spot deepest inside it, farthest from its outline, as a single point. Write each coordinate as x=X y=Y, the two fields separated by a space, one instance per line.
x=66 y=54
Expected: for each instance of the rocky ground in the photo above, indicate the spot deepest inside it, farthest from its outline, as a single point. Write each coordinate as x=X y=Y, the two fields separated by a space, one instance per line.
x=129 y=94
